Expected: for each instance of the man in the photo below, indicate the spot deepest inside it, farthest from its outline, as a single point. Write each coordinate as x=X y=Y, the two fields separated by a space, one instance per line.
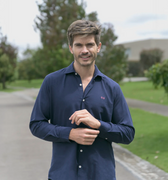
x=87 y=112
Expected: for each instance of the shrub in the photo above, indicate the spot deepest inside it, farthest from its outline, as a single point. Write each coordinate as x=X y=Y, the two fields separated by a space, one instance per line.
x=150 y=57
x=134 y=69
x=158 y=74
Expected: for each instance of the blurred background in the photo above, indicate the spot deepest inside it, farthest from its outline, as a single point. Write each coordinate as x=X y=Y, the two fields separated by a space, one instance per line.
x=134 y=53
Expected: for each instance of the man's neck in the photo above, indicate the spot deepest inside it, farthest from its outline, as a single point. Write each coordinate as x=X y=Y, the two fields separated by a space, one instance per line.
x=85 y=72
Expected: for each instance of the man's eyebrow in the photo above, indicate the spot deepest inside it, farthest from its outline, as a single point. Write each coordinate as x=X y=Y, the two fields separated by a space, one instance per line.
x=77 y=43
x=90 y=43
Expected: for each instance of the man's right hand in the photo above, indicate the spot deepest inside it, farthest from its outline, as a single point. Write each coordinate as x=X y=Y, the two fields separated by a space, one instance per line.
x=83 y=136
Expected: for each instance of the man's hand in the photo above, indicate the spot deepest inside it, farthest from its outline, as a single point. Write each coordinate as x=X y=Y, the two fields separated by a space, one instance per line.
x=83 y=136
x=83 y=116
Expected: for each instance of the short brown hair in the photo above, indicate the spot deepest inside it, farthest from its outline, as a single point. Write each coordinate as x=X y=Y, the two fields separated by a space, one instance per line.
x=83 y=27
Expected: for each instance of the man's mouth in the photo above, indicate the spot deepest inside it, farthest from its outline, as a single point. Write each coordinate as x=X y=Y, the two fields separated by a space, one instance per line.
x=85 y=57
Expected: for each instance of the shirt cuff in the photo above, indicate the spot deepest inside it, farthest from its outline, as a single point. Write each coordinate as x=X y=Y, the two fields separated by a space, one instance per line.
x=64 y=133
x=104 y=127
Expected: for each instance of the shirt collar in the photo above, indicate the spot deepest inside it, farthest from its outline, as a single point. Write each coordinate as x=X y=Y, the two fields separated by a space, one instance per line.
x=70 y=69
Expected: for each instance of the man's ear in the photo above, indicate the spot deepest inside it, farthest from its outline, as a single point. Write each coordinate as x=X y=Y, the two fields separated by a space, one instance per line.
x=99 y=47
x=70 y=49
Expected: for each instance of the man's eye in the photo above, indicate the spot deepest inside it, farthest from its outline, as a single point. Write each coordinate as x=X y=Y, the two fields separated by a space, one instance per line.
x=78 y=45
x=90 y=45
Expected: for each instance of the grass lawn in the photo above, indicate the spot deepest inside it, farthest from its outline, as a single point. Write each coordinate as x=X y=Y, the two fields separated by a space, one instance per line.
x=22 y=84
x=144 y=91
x=150 y=141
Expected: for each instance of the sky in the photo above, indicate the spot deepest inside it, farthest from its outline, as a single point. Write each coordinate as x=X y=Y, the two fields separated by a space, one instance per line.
x=132 y=20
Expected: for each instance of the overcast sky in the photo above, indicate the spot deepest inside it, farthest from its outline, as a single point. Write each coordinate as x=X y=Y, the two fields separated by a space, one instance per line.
x=132 y=19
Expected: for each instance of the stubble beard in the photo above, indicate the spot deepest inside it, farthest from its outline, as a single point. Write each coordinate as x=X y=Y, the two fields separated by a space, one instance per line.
x=93 y=57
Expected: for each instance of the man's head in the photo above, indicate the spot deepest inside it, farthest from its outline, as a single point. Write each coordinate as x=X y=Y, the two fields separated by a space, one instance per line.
x=83 y=27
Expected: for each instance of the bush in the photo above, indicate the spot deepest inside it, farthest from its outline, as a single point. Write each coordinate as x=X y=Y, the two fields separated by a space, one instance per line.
x=158 y=74
x=134 y=69
x=150 y=57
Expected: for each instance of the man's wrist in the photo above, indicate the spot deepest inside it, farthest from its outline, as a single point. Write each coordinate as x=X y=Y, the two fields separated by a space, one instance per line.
x=98 y=124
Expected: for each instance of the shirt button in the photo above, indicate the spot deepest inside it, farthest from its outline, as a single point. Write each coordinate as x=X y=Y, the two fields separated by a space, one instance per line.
x=81 y=150
x=106 y=138
x=80 y=166
x=76 y=73
x=80 y=84
x=83 y=100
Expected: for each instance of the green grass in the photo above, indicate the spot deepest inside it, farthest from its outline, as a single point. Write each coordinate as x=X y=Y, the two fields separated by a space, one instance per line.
x=36 y=83
x=144 y=91
x=22 y=84
x=150 y=142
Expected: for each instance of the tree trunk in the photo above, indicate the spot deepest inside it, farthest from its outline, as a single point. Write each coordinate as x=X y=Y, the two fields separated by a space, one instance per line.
x=4 y=83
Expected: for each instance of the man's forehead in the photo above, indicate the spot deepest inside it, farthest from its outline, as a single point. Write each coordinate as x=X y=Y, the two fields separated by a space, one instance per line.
x=83 y=38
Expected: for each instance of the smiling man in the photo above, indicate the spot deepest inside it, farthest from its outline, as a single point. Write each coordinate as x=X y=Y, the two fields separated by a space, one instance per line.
x=87 y=112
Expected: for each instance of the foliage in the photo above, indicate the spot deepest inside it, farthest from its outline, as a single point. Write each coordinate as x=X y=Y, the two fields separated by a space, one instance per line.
x=154 y=74
x=8 y=54
x=134 y=69
x=47 y=61
x=54 y=19
x=26 y=67
x=150 y=57
x=158 y=74
x=112 y=60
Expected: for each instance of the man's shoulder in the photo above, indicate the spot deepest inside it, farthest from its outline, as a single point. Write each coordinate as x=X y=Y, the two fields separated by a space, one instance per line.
x=109 y=81
x=56 y=74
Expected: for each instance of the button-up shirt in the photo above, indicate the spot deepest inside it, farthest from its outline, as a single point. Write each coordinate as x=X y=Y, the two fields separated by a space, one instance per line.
x=60 y=95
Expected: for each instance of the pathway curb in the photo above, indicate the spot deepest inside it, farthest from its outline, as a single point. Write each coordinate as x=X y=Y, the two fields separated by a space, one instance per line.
x=139 y=167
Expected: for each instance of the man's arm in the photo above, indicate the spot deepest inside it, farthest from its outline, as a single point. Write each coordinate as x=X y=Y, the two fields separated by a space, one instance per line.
x=119 y=130
x=39 y=125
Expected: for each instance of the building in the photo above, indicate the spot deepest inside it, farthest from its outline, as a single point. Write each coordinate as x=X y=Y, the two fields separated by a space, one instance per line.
x=134 y=48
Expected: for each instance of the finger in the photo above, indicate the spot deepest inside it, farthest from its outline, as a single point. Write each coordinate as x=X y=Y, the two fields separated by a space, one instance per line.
x=92 y=131
x=79 y=112
x=80 y=119
x=74 y=116
x=89 y=142
x=90 y=137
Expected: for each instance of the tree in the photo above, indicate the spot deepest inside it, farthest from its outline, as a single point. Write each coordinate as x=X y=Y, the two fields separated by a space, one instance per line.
x=112 y=60
x=26 y=67
x=55 y=17
x=150 y=57
x=8 y=54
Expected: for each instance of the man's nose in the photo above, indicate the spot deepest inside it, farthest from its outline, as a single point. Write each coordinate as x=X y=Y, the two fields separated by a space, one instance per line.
x=84 y=49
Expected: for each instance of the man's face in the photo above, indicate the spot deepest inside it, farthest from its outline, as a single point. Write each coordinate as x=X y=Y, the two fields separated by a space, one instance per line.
x=84 y=49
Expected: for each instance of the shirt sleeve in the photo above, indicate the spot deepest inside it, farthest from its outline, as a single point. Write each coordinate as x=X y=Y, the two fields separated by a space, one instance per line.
x=120 y=129
x=39 y=121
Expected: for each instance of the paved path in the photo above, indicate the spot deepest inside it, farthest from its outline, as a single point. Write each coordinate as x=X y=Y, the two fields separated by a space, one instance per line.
x=151 y=107
x=22 y=156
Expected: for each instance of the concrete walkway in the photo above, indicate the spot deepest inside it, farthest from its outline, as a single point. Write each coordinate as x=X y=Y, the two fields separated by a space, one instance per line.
x=146 y=106
x=142 y=169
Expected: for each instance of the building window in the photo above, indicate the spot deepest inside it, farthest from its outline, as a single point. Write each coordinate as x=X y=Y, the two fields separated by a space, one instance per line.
x=128 y=52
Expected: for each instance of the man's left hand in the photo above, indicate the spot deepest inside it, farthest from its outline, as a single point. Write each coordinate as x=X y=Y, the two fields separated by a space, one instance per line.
x=83 y=116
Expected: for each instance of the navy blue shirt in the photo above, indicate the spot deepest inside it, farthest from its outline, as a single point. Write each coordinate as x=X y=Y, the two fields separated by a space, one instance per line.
x=60 y=95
